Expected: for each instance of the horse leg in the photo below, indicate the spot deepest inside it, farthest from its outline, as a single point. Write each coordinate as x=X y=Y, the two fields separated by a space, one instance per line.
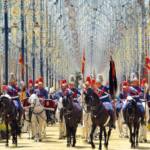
x=68 y=135
x=7 y=134
x=100 y=138
x=74 y=136
x=14 y=132
x=91 y=135
x=108 y=136
x=131 y=136
x=137 y=135
x=105 y=138
x=17 y=131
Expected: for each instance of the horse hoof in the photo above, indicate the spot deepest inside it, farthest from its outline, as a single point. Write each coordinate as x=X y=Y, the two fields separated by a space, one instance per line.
x=145 y=140
x=126 y=136
x=68 y=145
x=6 y=145
x=105 y=146
x=93 y=146
x=40 y=140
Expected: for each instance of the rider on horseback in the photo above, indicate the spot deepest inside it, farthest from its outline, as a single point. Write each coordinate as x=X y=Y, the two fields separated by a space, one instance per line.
x=42 y=93
x=104 y=96
x=122 y=96
x=136 y=93
x=13 y=91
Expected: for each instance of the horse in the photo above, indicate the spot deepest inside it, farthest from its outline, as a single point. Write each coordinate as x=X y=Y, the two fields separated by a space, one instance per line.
x=86 y=120
x=99 y=117
x=60 y=118
x=122 y=127
x=9 y=114
x=143 y=128
x=27 y=127
x=72 y=113
x=38 y=118
x=132 y=118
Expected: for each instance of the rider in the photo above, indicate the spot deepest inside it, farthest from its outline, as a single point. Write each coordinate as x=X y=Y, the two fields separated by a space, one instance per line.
x=61 y=94
x=104 y=96
x=74 y=92
x=42 y=93
x=136 y=94
x=122 y=95
x=13 y=91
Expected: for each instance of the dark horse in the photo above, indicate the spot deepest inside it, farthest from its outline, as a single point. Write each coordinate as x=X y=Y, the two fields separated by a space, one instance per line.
x=72 y=113
x=100 y=117
x=132 y=118
x=8 y=113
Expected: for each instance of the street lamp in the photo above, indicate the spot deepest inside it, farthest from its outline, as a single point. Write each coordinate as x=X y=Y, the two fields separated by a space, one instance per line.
x=6 y=39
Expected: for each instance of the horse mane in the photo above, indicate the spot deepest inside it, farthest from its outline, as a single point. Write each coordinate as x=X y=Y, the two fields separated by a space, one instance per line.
x=5 y=96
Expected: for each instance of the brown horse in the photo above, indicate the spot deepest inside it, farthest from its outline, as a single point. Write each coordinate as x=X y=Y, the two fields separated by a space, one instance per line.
x=72 y=112
x=100 y=117
x=132 y=118
x=9 y=114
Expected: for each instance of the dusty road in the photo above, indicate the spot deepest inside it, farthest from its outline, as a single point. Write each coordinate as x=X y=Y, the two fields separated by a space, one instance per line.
x=52 y=143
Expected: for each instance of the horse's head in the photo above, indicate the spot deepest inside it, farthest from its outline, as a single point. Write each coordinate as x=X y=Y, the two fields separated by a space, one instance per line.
x=67 y=103
x=92 y=99
x=132 y=110
x=88 y=97
x=34 y=100
x=4 y=103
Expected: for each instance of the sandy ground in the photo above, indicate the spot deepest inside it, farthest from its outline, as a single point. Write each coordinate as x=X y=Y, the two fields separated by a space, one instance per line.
x=53 y=143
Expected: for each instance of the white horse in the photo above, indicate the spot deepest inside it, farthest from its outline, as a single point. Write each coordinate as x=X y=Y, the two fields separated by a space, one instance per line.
x=122 y=127
x=143 y=128
x=62 y=127
x=38 y=119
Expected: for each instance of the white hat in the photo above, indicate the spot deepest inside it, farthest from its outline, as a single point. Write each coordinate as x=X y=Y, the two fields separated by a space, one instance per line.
x=99 y=78
x=133 y=77
x=52 y=90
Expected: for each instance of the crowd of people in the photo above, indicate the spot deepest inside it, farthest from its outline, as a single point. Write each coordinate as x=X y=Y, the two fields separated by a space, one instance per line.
x=131 y=88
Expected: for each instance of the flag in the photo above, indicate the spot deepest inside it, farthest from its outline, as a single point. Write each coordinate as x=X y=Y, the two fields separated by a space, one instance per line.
x=112 y=79
x=147 y=62
x=83 y=62
x=20 y=61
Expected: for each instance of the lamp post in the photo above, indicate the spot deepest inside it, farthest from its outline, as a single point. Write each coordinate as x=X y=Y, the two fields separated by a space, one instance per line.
x=26 y=52
x=6 y=39
x=35 y=27
x=33 y=43
x=41 y=40
x=22 y=38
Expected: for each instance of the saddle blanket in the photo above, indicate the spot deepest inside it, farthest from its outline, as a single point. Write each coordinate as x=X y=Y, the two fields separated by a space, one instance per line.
x=118 y=106
x=108 y=106
x=16 y=103
x=139 y=105
x=77 y=107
